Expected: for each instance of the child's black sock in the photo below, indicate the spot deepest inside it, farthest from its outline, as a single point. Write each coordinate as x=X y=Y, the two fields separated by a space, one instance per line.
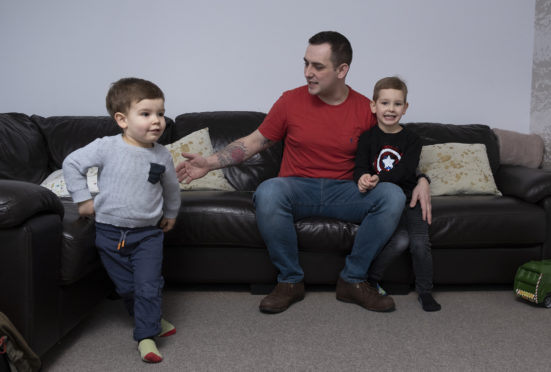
x=428 y=302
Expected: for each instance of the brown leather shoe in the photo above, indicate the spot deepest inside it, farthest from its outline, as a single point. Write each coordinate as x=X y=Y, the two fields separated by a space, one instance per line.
x=364 y=295
x=283 y=296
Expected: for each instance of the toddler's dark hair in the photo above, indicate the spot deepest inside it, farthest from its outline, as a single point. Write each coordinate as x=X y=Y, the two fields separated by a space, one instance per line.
x=126 y=91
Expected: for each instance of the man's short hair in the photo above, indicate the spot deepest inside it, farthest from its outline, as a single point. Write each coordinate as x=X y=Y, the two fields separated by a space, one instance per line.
x=341 y=50
x=126 y=91
x=392 y=82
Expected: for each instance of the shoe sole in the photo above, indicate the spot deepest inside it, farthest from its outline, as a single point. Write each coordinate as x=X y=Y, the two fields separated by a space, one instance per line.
x=351 y=301
x=271 y=310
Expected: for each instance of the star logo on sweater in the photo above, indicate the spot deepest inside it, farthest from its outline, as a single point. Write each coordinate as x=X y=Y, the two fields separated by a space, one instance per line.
x=388 y=162
x=388 y=157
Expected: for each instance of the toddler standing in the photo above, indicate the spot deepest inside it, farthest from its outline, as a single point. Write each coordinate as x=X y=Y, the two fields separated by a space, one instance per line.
x=138 y=200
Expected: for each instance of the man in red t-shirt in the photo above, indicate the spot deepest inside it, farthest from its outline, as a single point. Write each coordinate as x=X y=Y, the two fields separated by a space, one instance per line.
x=320 y=124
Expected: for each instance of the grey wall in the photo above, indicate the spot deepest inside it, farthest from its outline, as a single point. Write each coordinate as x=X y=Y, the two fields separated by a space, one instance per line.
x=540 y=122
x=466 y=61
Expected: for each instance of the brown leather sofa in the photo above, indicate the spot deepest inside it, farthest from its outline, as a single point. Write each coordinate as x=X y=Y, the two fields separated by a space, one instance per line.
x=51 y=275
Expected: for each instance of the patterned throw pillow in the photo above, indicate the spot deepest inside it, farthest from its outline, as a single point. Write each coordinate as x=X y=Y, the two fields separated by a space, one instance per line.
x=199 y=143
x=458 y=168
x=56 y=183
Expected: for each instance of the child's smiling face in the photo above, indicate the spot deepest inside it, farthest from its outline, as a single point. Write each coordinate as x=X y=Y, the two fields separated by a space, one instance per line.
x=144 y=123
x=389 y=109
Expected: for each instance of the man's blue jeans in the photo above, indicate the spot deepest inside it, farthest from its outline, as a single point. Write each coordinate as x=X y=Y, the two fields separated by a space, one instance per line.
x=281 y=201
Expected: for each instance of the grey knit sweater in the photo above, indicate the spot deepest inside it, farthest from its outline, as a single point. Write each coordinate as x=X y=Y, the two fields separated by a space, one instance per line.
x=137 y=186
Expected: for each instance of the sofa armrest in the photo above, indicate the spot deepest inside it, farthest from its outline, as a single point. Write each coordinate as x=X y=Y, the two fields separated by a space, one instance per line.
x=21 y=200
x=529 y=184
x=29 y=265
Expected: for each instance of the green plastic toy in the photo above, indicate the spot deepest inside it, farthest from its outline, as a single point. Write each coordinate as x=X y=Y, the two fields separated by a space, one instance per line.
x=533 y=282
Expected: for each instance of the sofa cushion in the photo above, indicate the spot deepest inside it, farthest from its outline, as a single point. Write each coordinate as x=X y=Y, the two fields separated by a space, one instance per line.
x=484 y=221
x=224 y=128
x=433 y=133
x=215 y=218
x=23 y=152
x=227 y=219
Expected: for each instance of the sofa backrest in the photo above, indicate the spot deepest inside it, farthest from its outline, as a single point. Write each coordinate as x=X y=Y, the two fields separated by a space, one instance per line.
x=434 y=133
x=32 y=147
x=224 y=128
x=65 y=134
x=23 y=151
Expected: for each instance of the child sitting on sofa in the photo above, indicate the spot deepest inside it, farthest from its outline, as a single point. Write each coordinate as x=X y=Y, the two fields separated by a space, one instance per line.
x=390 y=152
x=138 y=200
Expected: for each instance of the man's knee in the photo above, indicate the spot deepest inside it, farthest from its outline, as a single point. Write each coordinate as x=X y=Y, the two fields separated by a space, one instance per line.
x=265 y=188
x=270 y=192
x=393 y=197
x=395 y=193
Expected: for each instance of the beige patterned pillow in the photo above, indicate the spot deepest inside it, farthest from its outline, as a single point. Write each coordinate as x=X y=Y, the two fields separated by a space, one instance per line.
x=458 y=168
x=56 y=183
x=199 y=143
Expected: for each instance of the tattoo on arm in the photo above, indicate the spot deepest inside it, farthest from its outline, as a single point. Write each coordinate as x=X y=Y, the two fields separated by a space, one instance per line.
x=232 y=154
x=236 y=152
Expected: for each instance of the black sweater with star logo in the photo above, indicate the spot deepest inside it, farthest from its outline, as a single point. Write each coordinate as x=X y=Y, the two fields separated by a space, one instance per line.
x=392 y=156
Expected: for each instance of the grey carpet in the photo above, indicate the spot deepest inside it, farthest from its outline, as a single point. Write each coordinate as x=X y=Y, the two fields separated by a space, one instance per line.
x=222 y=330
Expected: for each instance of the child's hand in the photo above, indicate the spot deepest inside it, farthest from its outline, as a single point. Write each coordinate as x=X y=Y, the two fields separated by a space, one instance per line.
x=86 y=208
x=373 y=181
x=167 y=224
x=367 y=182
x=363 y=182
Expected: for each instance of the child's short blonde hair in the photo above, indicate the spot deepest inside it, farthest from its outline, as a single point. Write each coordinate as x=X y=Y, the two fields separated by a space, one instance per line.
x=126 y=91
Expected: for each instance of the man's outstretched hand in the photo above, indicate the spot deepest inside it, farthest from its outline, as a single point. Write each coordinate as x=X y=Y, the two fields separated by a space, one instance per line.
x=194 y=167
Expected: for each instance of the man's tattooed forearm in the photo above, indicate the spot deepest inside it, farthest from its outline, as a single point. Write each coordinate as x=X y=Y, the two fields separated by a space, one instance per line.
x=232 y=154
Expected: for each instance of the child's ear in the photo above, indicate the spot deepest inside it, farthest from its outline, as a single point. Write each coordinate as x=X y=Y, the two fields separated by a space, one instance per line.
x=406 y=108
x=120 y=118
x=373 y=107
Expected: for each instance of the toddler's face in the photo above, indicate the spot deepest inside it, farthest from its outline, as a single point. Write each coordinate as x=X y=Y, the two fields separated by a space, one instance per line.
x=145 y=122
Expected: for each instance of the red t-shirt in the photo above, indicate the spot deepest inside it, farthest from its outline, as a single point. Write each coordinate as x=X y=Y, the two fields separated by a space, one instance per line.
x=320 y=139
